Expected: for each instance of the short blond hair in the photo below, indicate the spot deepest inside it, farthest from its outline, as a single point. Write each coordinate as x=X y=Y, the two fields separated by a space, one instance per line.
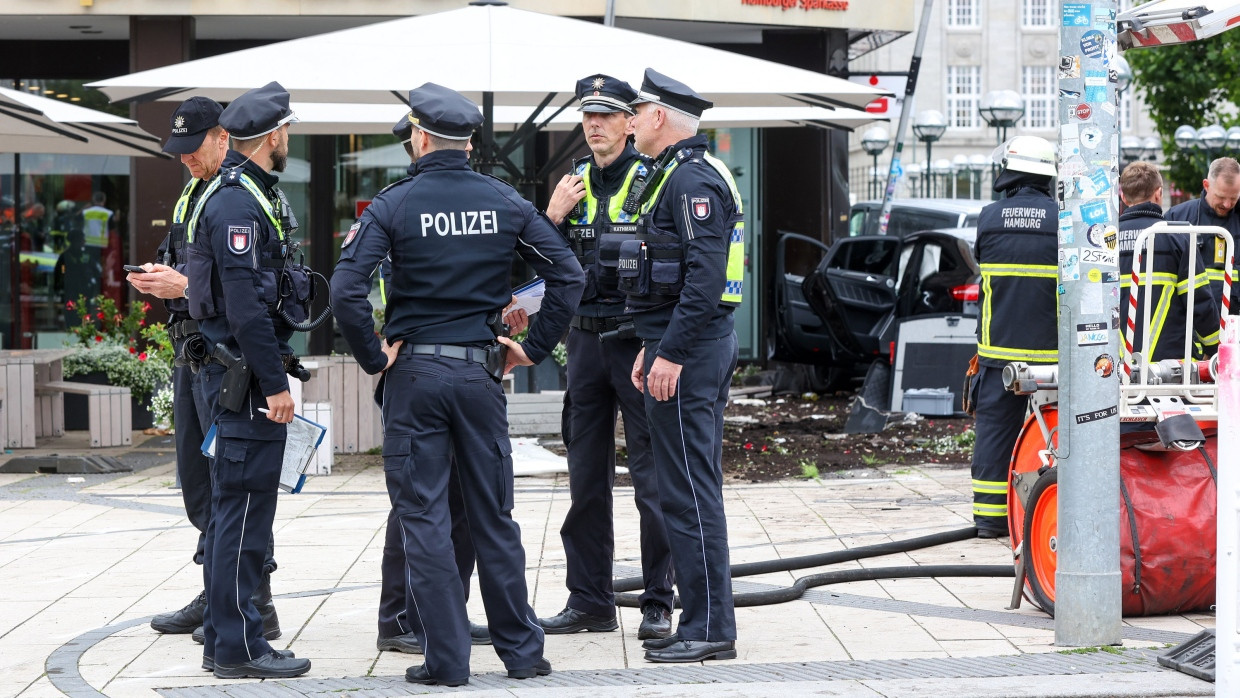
x=1139 y=181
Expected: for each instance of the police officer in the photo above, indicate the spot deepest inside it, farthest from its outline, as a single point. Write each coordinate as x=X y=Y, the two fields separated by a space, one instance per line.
x=596 y=207
x=1217 y=206
x=1017 y=249
x=1141 y=188
x=451 y=233
x=201 y=142
x=239 y=244
x=395 y=627
x=682 y=274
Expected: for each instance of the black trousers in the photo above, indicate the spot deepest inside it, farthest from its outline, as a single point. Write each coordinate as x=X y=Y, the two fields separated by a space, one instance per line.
x=193 y=419
x=686 y=434
x=997 y=424
x=600 y=387
x=393 y=611
x=435 y=411
x=245 y=483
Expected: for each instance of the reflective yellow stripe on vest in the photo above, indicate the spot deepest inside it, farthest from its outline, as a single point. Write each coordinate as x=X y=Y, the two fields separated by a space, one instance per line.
x=251 y=187
x=615 y=206
x=182 y=207
x=734 y=285
x=1029 y=271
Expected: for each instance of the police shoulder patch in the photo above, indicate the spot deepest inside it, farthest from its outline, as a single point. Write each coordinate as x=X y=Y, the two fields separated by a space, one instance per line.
x=240 y=238
x=700 y=207
x=353 y=230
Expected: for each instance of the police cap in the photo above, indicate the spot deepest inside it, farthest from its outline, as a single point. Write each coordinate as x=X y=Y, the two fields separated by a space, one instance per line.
x=603 y=93
x=673 y=94
x=443 y=112
x=258 y=112
x=403 y=130
x=190 y=123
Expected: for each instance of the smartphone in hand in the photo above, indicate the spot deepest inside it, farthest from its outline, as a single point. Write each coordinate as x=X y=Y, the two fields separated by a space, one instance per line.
x=134 y=268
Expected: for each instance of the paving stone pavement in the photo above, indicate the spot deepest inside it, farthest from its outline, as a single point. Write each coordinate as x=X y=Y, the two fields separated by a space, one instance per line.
x=83 y=566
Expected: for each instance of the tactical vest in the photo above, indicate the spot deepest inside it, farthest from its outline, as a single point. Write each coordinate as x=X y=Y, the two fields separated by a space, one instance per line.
x=652 y=265
x=175 y=255
x=286 y=285
x=595 y=237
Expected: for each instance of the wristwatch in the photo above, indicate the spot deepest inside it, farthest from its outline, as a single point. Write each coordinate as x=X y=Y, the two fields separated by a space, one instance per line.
x=185 y=292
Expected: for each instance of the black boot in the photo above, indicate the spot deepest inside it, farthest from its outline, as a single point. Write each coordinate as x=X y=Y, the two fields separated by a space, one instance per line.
x=266 y=608
x=184 y=620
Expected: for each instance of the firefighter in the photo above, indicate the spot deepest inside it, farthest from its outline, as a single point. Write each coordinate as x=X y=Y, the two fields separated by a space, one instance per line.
x=1217 y=206
x=1017 y=250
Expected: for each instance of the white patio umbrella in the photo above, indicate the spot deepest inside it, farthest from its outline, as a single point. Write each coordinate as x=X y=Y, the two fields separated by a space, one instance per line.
x=487 y=52
x=320 y=118
x=33 y=124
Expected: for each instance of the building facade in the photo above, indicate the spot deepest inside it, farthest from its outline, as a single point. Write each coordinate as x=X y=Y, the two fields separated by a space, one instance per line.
x=791 y=178
x=974 y=47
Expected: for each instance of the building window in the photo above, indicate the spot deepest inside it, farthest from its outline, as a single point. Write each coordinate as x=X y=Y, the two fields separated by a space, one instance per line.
x=1037 y=13
x=1125 y=114
x=1037 y=85
x=963 y=13
x=964 y=90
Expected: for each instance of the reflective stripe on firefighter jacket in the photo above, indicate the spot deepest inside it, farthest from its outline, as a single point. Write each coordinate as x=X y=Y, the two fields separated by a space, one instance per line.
x=1017 y=250
x=1170 y=279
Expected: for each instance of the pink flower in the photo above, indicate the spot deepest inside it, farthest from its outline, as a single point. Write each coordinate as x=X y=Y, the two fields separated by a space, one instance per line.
x=146 y=307
x=99 y=315
x=748 y=446
x=142 y=356
x=70 y=305
x=133 y=350
x=142 y=323
x=98 y=338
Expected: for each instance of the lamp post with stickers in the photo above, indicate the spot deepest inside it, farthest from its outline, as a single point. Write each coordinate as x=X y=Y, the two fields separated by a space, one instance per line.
x=1088 y=606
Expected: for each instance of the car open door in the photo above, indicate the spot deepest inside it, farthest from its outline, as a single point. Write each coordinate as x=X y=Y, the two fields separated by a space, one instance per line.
x=800 y=335
x=853 y=292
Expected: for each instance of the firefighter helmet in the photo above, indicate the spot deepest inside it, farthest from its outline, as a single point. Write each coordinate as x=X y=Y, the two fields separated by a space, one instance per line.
x=1027 y=154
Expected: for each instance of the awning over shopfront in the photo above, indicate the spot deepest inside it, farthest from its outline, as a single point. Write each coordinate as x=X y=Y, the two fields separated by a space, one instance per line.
x=512 y=56
x=33 y=124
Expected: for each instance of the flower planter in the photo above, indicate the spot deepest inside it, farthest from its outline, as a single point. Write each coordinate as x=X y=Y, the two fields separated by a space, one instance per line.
x=77 y=415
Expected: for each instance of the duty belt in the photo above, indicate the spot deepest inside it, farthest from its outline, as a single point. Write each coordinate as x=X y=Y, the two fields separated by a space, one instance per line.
x=182 y=329
x=598 y=325
x=451 y=351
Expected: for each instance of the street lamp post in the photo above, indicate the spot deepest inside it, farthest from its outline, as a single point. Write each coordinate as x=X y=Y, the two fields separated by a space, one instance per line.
x=1131 y=149
x=978 y=163
x=1152 y=147
x=1001 y=109
x=960 y=165
x=942 y=168
x=1233 y=140
x=874 y=141
x=928 y=127
x=1212 y=138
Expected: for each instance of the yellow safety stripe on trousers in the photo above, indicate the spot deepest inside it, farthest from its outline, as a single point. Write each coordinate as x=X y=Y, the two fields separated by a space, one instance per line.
x=182 y=207
x=251 y=187
x=980 y=510
x=990 y=487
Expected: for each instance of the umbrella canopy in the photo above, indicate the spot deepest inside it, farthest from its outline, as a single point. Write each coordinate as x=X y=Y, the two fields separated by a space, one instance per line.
x=33 y=124
x=319 y=118
x=516 y=56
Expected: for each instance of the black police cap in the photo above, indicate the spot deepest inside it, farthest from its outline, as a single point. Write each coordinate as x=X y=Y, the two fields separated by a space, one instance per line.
x=443 y=112
x=603 y=93
x=403 y=130
x=673 y=94
x=190 y=123
x=258 y=112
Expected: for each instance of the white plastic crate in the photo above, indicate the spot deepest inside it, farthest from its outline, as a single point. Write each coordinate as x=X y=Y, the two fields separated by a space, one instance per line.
x=931 y=401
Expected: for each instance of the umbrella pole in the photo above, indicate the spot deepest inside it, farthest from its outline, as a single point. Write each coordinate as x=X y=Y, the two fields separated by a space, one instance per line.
x=487 y=161
x=15 y=267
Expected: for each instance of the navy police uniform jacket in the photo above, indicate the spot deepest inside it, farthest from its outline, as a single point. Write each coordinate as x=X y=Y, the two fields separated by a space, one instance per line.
x=602 y=296
x=699 y=314
x=230 y=286
x=1017 y=249
x=172 y=251
x=451 y=233
x=1210 y=249
x=1171 y=280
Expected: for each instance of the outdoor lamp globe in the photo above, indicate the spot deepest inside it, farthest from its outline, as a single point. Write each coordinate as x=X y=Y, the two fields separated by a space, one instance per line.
x=978 y=162
x=1233 y=139
x=875 y=140
x=1002 y=108
x=1152 y=146
x=1123 y=73
x=1131 y=148
x=1212 y=137
x=929 y=126
x=1185 y=137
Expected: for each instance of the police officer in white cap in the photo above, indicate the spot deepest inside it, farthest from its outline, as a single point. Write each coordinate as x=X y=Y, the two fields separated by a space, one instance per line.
x=238 y=244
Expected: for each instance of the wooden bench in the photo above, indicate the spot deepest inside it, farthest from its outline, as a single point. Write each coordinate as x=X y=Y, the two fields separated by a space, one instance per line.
x=110 y=413
x=533 y=414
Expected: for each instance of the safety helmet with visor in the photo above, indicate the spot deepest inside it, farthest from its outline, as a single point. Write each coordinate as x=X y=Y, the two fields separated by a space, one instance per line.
x=1027 y=154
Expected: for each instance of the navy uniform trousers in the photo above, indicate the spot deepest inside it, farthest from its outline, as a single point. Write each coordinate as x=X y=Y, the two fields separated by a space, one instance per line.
x=393 y=601
x=686 y=433
x=245 y=482
x=191 y=416
x=599 y=382
x=435 y=410
x=997 y=422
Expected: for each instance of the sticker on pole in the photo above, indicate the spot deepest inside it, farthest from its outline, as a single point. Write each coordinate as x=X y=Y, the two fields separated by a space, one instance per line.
x=1076 y=14
x=1082 y=111
x=1093 y=43
x=1097 y=414
x=1091 y=334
